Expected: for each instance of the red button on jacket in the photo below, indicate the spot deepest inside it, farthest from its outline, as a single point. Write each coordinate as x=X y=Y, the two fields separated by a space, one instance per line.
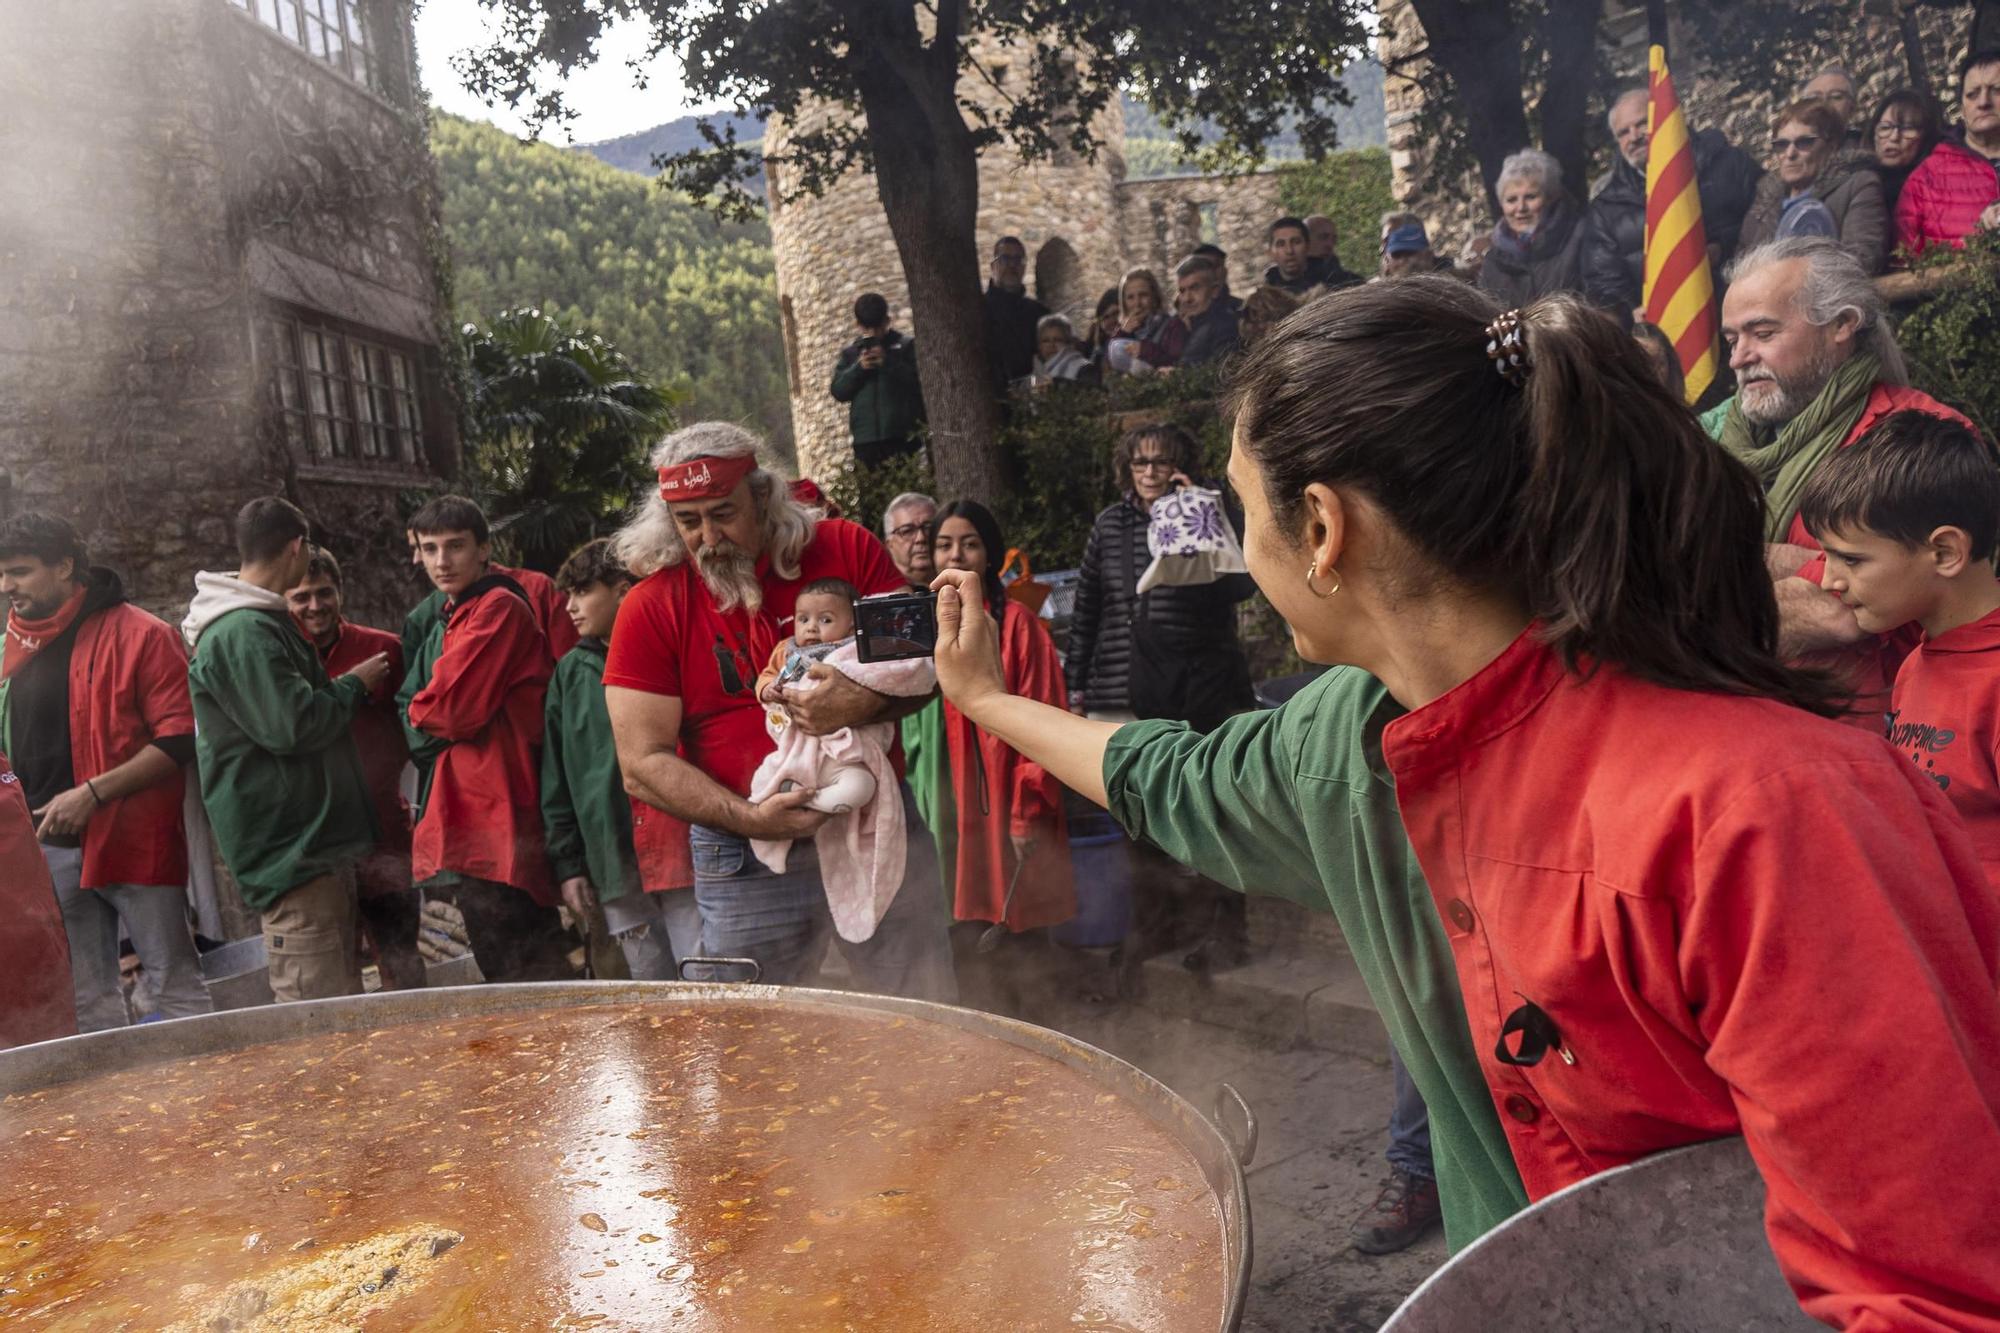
x=1781 y=930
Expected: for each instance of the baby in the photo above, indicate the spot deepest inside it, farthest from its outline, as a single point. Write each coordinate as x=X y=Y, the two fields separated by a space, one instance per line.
x=861 y=849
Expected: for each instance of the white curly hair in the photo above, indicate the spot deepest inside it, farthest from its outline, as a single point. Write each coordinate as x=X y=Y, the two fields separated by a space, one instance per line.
x=652 y=541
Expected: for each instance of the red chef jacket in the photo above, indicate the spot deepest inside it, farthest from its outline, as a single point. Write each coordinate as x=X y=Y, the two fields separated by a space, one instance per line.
x=1945 y=715
x=483 y=817
x=551 y=608
x=378 y=737
x=128 y=687
x=1740 y=918
x=1021 y=798
x=37 y=998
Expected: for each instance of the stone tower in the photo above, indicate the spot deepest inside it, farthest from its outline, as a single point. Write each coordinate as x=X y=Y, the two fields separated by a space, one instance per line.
x=831 y=249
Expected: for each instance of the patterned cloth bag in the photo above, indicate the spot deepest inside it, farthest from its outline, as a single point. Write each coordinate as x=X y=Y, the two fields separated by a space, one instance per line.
x=1191 y=541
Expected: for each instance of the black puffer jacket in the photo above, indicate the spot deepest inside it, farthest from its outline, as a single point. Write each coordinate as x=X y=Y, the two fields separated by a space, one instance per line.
x=1614 y=239
x=1188 y=620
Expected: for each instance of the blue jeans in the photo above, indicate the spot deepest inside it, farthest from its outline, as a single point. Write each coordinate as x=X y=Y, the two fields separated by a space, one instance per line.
x=782 y=920
x=154 y=918
x=1409 y=1125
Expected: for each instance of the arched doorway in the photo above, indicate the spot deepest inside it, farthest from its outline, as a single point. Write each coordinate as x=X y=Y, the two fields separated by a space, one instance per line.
x=1059 y=281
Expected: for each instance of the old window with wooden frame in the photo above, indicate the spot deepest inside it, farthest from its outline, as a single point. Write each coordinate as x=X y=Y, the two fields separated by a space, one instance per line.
x=344 y=396
x=335 y=31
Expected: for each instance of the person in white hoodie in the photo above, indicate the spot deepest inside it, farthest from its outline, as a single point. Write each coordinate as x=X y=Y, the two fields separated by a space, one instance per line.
x=280 y=778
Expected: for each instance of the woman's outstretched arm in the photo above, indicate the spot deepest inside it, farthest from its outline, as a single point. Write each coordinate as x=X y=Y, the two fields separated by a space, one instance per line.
x=968 y=667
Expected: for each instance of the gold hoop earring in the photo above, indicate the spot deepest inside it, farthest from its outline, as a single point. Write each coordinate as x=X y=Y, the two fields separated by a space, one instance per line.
x=1312 y=572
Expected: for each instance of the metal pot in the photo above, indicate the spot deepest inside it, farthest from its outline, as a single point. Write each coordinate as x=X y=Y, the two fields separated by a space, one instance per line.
x=1221 y=1159
x=1670 y=1242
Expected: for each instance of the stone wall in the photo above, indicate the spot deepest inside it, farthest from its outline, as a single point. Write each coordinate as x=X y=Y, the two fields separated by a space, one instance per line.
x=212 y=169
x=1459 y=210
x=1162 y=220
x=831 y=249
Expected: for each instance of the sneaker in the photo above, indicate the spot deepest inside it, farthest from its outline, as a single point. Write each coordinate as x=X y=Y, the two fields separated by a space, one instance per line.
x=1402 y=1213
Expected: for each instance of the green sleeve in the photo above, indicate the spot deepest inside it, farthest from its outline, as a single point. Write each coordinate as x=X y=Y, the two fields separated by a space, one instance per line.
x=254 y=678
x=558 y=809
x=1224 y=804
x=1711 y=420
x=424 y=747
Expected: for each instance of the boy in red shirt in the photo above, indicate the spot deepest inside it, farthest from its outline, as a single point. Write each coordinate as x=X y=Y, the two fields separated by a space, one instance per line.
x=1910 y=519
x=472 y=705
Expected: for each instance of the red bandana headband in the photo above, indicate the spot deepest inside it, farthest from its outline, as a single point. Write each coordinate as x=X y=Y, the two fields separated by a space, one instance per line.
x=703 y=478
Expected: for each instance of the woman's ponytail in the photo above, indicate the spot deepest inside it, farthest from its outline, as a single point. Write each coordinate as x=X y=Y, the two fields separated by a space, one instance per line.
x=1641 y=540
x=1573 y=481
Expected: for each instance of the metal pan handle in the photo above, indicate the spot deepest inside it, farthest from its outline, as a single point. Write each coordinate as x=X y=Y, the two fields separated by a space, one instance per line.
x=712 y=965
x=1243 y=1144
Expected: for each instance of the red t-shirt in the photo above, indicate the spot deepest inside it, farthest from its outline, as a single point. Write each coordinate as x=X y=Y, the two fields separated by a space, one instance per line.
x=670 y=639
x=1945 y=715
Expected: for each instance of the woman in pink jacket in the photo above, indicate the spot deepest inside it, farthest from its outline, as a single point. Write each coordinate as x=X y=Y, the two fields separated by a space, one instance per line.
x=1956 y=190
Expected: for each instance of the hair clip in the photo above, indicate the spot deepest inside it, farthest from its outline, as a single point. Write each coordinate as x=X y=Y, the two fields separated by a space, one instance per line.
x=1507 y=348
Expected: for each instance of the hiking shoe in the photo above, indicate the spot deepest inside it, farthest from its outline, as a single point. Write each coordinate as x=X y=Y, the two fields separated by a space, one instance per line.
x=1402 y=1213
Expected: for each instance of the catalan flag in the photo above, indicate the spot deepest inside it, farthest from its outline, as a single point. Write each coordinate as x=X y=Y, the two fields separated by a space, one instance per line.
x=1680 y=290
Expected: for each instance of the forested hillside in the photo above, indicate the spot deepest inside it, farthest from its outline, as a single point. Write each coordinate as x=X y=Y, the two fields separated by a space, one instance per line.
x=692 y=301
x=1149 y=148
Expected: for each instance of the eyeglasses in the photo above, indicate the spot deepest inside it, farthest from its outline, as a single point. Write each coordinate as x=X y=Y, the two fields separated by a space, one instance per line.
x=1892 y=129
x=1804 y=143
x=1153 y=464
x=907 y=532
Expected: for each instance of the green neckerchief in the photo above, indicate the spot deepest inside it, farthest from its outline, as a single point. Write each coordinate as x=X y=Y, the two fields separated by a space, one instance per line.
x=1785 y=462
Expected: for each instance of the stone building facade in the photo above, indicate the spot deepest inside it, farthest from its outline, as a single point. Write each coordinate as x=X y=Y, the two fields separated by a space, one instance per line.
x=1083 y=224
x=219 y=278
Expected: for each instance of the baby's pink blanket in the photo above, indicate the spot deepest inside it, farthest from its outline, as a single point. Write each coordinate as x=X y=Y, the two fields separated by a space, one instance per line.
x=861 y=854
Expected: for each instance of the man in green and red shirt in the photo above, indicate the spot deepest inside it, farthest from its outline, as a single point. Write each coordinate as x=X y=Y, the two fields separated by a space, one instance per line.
x=280 y=776
x=724 y=551
x=472 y=706
x=388 y=902
x=97 y=725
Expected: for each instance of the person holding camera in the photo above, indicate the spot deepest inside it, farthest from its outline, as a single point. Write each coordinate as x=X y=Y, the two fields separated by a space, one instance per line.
x=876 y=376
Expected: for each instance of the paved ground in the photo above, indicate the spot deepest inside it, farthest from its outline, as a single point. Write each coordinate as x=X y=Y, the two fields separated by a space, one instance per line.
x=1319 y=1161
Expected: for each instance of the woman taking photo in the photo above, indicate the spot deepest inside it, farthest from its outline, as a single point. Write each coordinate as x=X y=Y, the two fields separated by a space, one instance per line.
x=1817 y=186
x=1013 y=841
x=1681 y=902
x=1168 y=653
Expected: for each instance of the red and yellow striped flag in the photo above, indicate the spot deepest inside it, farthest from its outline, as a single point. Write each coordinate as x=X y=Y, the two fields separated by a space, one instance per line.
x=1680 y=290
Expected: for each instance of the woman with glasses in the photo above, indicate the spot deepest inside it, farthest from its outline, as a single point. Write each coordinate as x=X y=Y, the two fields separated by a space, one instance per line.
x=1169 y=653
x=1817 y=186
x=1903 y=131
x=1956 y=190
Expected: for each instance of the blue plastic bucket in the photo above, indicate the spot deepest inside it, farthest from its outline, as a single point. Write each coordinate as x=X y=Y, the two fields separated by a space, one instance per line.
x=1103 y=869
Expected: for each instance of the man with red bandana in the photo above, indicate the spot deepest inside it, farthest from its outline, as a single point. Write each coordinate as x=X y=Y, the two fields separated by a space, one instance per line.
x=723 y=551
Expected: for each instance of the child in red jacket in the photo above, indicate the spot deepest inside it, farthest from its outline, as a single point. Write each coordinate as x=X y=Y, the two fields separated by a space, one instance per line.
x=472 y=706
x=1910 y=519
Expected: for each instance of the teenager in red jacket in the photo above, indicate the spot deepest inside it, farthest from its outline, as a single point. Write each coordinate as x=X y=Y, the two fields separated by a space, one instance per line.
x=472 y=704
x=97 y=724
x=36 y=995
x=388 y=903
x=1910 y=518
x=1681 y=902
x=1956 y=190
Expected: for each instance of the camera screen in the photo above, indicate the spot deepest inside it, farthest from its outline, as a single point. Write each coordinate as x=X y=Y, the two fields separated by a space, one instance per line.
x=895 y=626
